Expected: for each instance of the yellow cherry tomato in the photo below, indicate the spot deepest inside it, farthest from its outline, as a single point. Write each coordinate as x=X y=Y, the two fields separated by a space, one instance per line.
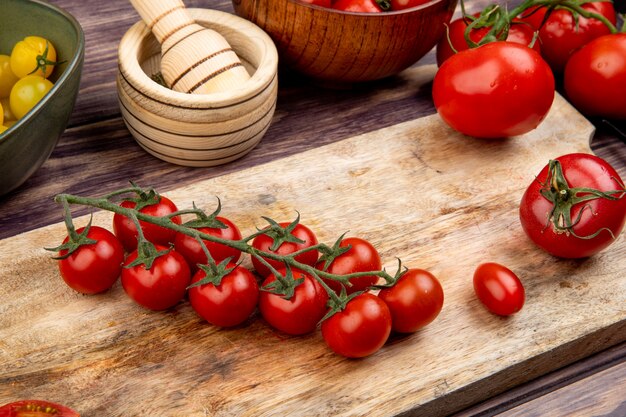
x=6 y=107
x=7 y=78
x=27 y=92
x=33 y=56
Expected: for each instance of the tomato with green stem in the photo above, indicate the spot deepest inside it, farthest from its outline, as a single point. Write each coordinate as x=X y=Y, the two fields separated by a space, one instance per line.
x=33 y=55
x=499 y=289
x=27 y=92
x=414 y=301
x=360 y=329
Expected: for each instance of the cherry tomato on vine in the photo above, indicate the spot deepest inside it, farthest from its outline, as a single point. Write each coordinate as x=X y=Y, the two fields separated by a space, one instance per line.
x=36 y=408
x=126 y=232
x=93 y=268
x=264 y=243
x=361 y=6
x=301 y=313
x=595 y=77
x=498 y=90
x=414 y=301
x=499 y=289
x=27 y=92
x=7 y=78
x=518 y=33
x=406 y=4
x=562 y=33
x=191 y=249
x=228 y=304
x=359 y=330
x=551 y=199
x=160 y=287
x=361 y=257
x=33 y=55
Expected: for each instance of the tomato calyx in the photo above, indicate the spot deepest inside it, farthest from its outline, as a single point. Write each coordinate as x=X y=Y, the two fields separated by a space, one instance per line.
x=284 y=285
x=147 y=253
x=281 y=234
x=214 y=272
x=43 y=61
x=202 y=220
x=75 y=239
x=144 y=197
x=391 y=281
x=563 y=198
x=330 y=253
x=338 y=303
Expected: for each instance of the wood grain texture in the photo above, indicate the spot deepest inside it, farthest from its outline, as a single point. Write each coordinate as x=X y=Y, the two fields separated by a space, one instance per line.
x=103 y=354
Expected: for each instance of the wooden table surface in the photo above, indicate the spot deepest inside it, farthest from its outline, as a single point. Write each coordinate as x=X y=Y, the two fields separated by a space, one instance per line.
x=97 y=155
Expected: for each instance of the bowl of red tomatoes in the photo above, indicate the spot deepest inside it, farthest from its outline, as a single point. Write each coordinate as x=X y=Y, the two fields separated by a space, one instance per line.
x=350 y=40
x=41 y=59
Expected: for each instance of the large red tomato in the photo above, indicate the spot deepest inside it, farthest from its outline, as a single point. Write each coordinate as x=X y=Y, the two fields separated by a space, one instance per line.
x=265 y=242
x=361 y=257
x=93 y=268
x=36 y=408
x=191 y=249
x=562 y=33
x=576 y=206
x=299 y=314
x=359 y=330
x=160 y=287
x=518 y=33
x=595 y=77
x=126 y=232
x=414 y=301
x=496 y=90
x=230 y=302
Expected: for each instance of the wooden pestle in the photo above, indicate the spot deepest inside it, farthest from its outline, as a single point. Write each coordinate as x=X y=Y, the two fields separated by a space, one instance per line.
x=194 y=59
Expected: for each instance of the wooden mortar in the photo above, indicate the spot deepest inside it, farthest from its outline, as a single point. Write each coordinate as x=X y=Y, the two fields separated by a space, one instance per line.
x=194 y=59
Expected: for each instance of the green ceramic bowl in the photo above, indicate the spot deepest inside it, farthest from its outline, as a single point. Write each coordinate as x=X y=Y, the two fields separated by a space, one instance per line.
x=27 y=145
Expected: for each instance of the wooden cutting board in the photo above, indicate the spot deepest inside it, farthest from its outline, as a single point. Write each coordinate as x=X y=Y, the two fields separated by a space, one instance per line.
x=418 y=191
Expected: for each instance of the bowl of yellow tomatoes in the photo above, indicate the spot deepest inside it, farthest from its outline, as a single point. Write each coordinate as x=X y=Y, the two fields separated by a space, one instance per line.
x=41 y=58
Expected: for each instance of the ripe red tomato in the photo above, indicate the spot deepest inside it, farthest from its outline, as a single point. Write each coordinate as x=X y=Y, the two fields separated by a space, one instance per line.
x=361 y=257
x=518 y=33
x=359 y=330
x=562 y=34
x=499 y=289
x=322 y=3
x=191 y=249
x=414 y=301
x=228 y=304
x=160 y=287
x=301 y=313
x=363 y=6
x=497 y=90
x=265 y=242
x=599 y=215
x=93 y=268
x=126 y=232
x=406 y=4
x=36 y=408
x=595 y=77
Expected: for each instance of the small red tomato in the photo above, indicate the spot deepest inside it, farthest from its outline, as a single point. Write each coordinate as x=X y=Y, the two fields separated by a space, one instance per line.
x=499 y=289
x=228 y=304
x=160 y=287
x=265 y=242
x=36 y=408
x=126 y=232
x=301 y=313
x=361 y=257
x=93 y=268
x=191 y=249
x=414 y=301
x=361 y=6
x=406 y=4
x=359 y=330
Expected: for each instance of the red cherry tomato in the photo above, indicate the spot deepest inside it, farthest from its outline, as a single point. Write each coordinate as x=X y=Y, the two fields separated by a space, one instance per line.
x=406 y=4
x=361 y=6
x=595 y=77
x=601 y=215
x=191 y=249
x=414 y=301
x=518 y=33
x=562 y=34
x=301 y=313
x=361 y=257
x=497 y=90
x=228 y=304
x=160 y=287
x=93 y=268
x=265 y=242
x=359 y=330
x=499 y=289
x=126 y=232
x=36 y=408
